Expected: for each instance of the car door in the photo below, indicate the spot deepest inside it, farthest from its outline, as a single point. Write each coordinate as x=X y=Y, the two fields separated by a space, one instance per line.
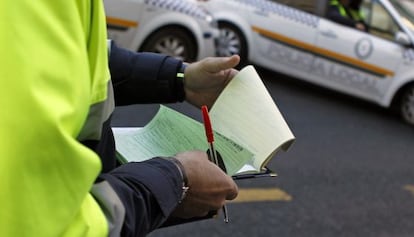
x=282 y=36
x=123 y=18
x=357 y=62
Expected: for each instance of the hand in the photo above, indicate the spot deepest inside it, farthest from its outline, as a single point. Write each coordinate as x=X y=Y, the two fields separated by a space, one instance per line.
x=205 y=79
x=209 y=186
x=360 y=26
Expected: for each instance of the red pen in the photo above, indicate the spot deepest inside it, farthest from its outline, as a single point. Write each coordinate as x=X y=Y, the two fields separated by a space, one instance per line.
x=209 y=134
x=212 y=152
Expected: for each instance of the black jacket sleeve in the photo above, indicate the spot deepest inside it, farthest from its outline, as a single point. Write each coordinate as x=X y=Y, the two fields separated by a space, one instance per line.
x=146 y=192
x=138 y=197
x=144 y=77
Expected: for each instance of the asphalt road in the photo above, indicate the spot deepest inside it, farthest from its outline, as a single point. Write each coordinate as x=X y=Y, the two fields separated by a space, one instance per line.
x=350 y=172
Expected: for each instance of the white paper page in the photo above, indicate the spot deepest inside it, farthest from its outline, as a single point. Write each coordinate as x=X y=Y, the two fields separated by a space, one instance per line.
x=246 y=113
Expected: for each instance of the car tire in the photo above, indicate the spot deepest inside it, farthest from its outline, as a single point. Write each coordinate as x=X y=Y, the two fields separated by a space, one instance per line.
x=173 y=41
x=407 y=105
x=232 y=41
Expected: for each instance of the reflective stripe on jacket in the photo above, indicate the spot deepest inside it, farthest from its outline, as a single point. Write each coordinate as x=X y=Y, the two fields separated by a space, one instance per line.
x=54 y=73
x=340 y=7
x=351 y=13
x=356 y=15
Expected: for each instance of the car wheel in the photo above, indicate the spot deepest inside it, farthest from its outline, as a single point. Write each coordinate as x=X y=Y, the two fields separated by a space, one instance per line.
x=407 y=105
x=231 y=41
x=176 y=42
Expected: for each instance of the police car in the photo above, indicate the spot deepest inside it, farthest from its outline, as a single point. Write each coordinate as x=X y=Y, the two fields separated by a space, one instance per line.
x=295 y=38
x=179 y=28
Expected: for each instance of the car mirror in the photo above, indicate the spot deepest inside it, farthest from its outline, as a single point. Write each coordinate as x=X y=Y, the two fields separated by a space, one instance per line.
x=403 y=39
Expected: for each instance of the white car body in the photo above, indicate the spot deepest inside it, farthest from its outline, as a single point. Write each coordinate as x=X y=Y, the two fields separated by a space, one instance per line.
x=133 y=23
x=308 y=46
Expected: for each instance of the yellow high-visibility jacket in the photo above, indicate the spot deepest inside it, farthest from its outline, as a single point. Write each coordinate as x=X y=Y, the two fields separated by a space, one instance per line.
x=54 y=67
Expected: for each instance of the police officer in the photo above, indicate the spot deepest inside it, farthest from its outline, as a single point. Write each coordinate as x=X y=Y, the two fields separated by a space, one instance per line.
x=346 y=12
x=58 y=173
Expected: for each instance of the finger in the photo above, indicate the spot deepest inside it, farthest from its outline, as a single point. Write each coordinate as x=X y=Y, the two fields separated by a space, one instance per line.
x=218 y=64
x=234 y=191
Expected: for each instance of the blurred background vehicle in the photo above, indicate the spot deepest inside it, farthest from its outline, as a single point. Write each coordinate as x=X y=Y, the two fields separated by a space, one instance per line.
x=179 y=28
x=295 y=38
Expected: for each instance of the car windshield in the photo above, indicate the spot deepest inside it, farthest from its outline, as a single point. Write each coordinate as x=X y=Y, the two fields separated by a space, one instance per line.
x=406 y=10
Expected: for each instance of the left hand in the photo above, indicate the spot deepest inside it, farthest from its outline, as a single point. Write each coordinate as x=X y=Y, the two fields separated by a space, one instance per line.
x=206 y=79
x=209 y=186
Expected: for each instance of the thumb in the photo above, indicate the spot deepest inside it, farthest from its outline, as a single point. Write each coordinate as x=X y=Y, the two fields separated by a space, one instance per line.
x=222 y=63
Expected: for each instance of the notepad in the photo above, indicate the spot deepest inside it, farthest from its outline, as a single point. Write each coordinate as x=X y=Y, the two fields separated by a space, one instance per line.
x=249 y=129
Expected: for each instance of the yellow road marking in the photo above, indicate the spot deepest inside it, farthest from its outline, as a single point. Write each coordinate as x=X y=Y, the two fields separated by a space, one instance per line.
x=261 y=195
x=409 y=188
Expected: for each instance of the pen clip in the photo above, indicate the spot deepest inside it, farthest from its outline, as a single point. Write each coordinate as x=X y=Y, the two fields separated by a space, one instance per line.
x=220 y=162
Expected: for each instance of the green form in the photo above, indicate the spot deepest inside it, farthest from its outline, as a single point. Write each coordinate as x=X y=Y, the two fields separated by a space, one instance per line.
x=170 y=132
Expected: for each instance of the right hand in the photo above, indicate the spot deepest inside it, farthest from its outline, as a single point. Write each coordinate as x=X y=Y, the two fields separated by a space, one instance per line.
x=209 y=186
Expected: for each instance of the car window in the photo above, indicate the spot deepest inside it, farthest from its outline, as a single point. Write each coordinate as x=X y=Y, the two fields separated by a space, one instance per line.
x=310 y=6
x=317 y=7
x=406 y=9
x=307 y=6
x=378 y=19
